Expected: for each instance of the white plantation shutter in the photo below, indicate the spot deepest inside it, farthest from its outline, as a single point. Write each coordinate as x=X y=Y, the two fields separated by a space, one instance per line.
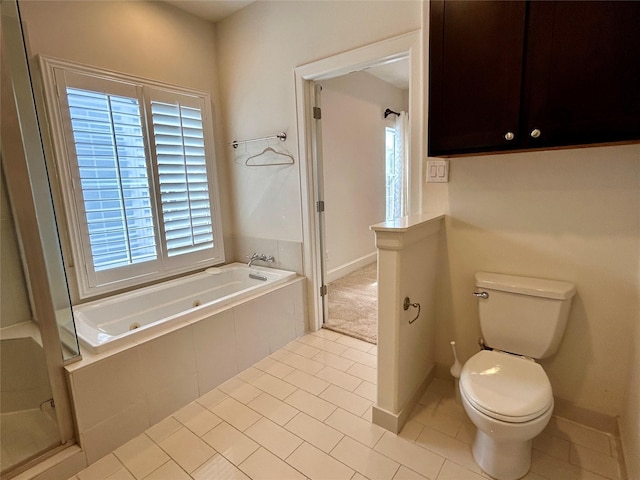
x=182 y=176
x=112 y=166
x=138 y=176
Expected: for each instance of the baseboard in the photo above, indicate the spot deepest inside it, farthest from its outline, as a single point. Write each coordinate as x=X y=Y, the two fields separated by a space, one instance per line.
x=589 y=418
x=64 y=464
x=395 y=421
x=630 y=461
x=563 y=408
x=442 y=372
x=347 y=268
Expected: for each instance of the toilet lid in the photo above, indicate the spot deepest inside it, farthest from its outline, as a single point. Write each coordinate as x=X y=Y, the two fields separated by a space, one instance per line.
x=505 y=386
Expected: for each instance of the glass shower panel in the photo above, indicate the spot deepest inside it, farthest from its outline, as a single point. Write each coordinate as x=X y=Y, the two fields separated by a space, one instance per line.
x=28 y=424
x=32 y=155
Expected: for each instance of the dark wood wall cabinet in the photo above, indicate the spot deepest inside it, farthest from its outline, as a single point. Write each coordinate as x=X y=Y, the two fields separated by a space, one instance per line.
x=515 y=75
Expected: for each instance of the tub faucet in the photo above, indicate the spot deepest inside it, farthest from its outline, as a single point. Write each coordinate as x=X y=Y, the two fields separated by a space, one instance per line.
x=262 y=257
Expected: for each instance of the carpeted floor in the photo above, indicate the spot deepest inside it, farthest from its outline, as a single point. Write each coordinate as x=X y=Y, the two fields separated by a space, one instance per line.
x=353 y=304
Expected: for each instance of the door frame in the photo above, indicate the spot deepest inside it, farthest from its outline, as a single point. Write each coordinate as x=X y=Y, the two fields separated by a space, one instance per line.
x=407 y=46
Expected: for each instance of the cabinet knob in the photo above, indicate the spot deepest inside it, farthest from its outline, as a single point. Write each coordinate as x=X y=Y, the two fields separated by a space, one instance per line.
x=535 y=133
x=509 y=136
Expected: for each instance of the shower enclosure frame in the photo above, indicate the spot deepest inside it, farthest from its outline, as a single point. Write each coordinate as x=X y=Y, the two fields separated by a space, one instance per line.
x=29 y=191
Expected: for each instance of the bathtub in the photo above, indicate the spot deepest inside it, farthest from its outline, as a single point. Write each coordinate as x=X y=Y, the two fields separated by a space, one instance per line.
x=129 y=317
x=148 y=353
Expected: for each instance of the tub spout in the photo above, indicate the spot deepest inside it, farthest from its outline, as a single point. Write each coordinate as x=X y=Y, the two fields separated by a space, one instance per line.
x=262 y=257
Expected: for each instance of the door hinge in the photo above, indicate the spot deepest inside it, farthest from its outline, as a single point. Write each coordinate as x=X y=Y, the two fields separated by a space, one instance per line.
x=320 y=206
x=323 y=290
x=317 y=113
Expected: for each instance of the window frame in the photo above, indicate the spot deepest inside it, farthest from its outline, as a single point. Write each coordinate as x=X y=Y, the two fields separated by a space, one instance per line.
x=89 y=283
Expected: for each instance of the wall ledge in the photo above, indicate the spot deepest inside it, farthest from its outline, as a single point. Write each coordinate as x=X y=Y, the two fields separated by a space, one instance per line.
x=408 y=253
x=399 y=233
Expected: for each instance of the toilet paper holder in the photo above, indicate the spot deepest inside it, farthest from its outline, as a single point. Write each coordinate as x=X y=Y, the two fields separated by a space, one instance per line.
x=407 y=303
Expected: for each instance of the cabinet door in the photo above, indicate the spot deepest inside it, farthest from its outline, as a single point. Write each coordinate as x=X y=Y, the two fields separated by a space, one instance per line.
x=582 y=72
x=475 y=65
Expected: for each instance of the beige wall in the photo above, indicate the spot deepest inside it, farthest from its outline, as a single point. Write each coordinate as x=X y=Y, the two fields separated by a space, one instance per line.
x=570 y=215
x=252 y=54
x=353 y=148
x=258 y=49
x=630 y=417
x=14 y=296
x=149 y=39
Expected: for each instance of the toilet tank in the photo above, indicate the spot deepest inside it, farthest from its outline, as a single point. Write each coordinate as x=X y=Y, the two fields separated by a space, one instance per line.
x=523 y=315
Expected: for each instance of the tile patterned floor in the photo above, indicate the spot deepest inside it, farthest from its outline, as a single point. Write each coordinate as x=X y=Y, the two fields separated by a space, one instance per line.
x=304 y=412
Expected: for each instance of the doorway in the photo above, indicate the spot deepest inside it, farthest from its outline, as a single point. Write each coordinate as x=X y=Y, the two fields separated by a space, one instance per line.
x=363 y=184
x=407 y=47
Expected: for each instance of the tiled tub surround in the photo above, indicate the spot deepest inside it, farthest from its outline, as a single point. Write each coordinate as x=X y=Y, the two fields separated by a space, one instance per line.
x=120 y=393
x=287 y=254
x=304 y=412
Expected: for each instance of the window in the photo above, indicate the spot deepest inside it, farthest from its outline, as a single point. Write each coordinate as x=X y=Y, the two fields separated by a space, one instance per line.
x=138 y=176
x=111 y=160
x=393 y=176
x=396 y=165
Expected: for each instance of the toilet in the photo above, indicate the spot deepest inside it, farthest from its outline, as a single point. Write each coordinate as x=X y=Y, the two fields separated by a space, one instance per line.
x=505 y=393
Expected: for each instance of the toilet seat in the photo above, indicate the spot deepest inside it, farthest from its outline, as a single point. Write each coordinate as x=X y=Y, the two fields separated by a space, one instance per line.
x=505 y=386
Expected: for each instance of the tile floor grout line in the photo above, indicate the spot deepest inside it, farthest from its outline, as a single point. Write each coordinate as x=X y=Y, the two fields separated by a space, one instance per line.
x=292 y=418
x=288 y=456
x=438 y=404
x=122 y=465
x=171 y=456
x=328 y=454
x=159 y=466
x=352 y=468
x=442 y=468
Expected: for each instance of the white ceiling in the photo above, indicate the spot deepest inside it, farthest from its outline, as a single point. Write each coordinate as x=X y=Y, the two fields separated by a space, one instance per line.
x=395 y=72
x=212 y=10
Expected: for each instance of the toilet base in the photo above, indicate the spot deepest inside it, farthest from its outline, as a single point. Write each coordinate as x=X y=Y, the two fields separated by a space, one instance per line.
x=508 y=460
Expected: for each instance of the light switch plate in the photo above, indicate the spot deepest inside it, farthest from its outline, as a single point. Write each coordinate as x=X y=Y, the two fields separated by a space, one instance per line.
x=438 y=171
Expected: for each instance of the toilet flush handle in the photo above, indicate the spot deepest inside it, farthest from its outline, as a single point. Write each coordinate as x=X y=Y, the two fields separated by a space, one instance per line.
x=484 y=295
